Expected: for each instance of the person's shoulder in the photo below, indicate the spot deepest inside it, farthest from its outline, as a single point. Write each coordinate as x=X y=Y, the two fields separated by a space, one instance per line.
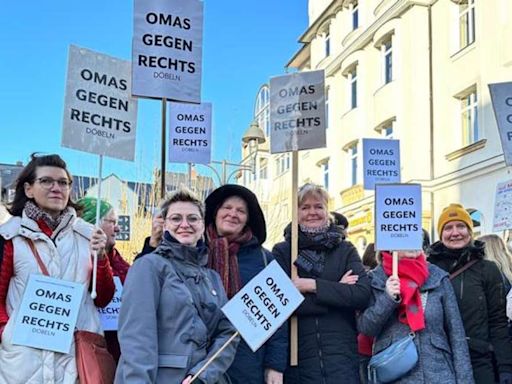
x=82 y=227
x=10 y=228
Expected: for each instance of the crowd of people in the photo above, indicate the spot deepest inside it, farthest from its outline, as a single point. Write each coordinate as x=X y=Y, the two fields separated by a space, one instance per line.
x=444 y=305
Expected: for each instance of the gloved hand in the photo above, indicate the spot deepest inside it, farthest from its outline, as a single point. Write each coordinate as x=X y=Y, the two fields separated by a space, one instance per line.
x=505 y=377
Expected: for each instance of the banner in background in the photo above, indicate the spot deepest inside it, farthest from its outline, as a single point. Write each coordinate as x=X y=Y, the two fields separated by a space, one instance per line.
x=501 y=95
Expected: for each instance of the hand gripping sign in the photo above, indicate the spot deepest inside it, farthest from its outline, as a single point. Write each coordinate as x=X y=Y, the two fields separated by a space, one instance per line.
x=261 y=307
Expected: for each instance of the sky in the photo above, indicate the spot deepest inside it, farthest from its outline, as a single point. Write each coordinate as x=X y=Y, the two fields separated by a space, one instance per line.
x=244 y=44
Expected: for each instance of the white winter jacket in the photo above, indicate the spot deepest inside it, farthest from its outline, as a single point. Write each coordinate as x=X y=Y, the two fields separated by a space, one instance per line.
x=66 y=256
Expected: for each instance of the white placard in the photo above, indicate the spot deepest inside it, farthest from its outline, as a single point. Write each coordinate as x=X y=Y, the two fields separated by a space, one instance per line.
x=381 y=159
x=263 y=305
x=167 y=49
x=297 y=112
x=100 y=116
x=109 y=315
x=501 y=95
x=398 y=217
x=190 y=133
x=48 y=313
x=503 y=207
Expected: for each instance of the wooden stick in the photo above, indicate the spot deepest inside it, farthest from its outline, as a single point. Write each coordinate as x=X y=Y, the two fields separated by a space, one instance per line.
x=95 y=253
x=214 y=356
x=163 y=159
x=294 y=329
x=395 y=264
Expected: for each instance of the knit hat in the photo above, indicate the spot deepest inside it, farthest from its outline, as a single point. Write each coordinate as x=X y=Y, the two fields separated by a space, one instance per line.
x=454 y=212
x=256 y=219
x=88 y=206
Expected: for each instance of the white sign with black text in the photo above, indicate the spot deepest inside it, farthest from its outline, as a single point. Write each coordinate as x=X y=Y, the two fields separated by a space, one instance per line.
x=167 y=49
x=381 y=159
x=100 y=116
x=263 y=305
x=398 y=217
x=297 y=112
x=190 y=133
x=501 y=95
x=503 y=207
x=48 y=313
x=109 y=316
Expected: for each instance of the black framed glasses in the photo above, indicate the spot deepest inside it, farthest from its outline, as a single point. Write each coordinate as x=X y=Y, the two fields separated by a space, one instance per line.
x=48 y=182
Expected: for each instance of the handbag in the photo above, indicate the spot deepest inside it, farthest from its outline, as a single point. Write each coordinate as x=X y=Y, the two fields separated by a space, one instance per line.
x=94 y=363
x=393 y=362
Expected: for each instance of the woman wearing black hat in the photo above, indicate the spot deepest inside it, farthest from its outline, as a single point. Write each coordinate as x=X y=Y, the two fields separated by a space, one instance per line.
x=235 y=229
x=327 y=332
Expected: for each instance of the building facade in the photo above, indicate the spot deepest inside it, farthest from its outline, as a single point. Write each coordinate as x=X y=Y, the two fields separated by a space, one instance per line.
x=413 y=70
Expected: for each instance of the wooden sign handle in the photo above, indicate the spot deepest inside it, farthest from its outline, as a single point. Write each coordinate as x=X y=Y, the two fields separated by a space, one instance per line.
x=294 y=327
x=395 y=264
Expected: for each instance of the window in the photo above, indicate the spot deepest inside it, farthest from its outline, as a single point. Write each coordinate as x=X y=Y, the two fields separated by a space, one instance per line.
x=261 y=110
x=325 y=170
x=327 y=107
x=469 y=117
x=352 y=151
x=327 y=42
x=283 y=163
x=387 y=60
x=353 y=87
x=466 y=23
x=355 y=15
x=263 y=169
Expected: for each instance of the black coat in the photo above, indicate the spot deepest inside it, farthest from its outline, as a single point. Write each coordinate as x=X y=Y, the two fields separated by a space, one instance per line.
x=481 y=300
x=326 y=319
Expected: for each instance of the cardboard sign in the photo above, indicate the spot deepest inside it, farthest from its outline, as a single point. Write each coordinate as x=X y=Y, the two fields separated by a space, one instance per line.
x=501 y=95
x=503 y=207
x=297 y=112
x=109 y=315
x=263 y=305
x=100 y=116
x=167 y=49
x=398 y=217
x=190 y=133
x=48 y=313
x=381 y=158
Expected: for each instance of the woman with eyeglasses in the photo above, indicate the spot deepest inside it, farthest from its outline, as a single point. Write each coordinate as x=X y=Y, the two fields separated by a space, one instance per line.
x=44 y=236
x=108 y=223
x=335 y=285
x=170 y=322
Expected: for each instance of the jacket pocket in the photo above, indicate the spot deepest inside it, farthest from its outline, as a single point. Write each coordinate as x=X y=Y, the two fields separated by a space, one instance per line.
x=173 y=361
x=440 y=343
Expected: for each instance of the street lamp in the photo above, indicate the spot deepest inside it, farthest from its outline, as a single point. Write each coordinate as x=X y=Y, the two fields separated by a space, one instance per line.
x=252 y=137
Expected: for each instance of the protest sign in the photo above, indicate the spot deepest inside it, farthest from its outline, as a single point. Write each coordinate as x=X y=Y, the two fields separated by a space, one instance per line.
x=501 y=95
x=109 y=315
x=48 y=313
x=398 y=217
x=503 y=207
x=123 y=222
x=190 y=133
x=167 y=49
x=262 y=305
x=381 y=158
x=297 y=112
x=100 y=116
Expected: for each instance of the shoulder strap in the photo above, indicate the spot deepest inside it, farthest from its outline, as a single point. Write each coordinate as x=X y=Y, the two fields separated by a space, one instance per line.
x=264 y=254
x=459 y=271
x=37 y=257
x=2 y=244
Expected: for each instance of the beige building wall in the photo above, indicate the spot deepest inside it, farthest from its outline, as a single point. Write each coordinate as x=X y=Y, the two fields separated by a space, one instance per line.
x=433 y=69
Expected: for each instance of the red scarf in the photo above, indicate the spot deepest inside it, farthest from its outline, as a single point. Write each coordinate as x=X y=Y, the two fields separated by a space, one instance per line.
x=222 y=257
x=119 y=265
x=412 y=273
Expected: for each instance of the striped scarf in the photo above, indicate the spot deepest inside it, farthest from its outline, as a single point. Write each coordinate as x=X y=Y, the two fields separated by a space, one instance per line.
x=222 y=257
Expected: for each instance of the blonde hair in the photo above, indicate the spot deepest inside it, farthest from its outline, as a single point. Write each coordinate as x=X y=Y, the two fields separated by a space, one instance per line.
x=182 y=195
x=317 y=191
x=496 y=250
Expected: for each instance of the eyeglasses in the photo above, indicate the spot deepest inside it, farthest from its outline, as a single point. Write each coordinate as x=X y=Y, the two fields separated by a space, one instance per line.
x=48 y=182
x=178 y=219
x=111 y=221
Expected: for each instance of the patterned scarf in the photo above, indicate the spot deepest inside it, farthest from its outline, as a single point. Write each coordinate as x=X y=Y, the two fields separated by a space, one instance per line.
x=222 y=257
x=35 y=213
x=412 y=273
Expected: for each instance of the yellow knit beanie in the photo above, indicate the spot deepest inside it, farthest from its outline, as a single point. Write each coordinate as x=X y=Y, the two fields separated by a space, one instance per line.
x=454 y=212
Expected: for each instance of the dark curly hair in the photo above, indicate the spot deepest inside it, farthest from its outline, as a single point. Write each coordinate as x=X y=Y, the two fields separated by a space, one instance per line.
x=28 y=175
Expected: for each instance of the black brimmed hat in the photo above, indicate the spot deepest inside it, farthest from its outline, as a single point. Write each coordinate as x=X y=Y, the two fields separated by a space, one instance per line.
x=256 y=219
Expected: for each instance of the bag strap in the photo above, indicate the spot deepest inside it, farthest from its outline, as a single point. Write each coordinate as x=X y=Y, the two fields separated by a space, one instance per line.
x=37 y=257
x=459 y=271
x=263 y=253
